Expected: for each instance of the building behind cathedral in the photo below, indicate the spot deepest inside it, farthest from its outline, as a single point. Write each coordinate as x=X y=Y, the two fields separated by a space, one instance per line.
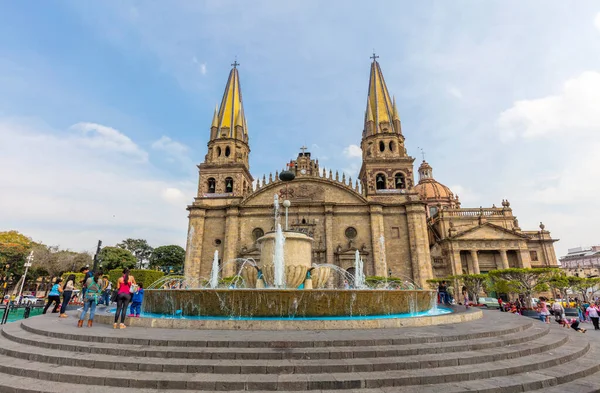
x=402 y=228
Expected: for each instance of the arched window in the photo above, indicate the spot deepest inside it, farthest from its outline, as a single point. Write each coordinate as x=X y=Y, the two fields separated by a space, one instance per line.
x=257 y=233
x=400 y=181
x=227 y=151
x=392 y=146
x=380 y=181
x=211 y=185
x=228 y=184
x=218 y=151
x=381 y=146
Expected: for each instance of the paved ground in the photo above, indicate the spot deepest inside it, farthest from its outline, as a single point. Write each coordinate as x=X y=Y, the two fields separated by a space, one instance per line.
x=499 y=353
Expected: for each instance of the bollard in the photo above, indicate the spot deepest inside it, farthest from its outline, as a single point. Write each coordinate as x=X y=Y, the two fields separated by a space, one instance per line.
x=4 y=316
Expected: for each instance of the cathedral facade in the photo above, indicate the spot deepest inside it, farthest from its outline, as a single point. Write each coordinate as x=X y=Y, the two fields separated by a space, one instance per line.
x=401 y=228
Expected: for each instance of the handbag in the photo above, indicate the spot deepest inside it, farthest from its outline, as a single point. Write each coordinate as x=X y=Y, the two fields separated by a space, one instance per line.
x=133 y=288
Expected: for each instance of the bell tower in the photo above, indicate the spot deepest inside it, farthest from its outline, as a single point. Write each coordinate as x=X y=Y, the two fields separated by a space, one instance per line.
x=386 y=168
x=225 y=171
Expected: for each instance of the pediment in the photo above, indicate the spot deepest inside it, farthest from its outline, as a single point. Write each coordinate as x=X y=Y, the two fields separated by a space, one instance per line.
x=305 y=190
x=489 y=231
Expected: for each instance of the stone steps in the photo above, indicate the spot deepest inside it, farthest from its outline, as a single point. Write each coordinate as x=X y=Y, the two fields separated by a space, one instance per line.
x=16 y=334
x=331 y=380
x=125 y=361
x=502 y=353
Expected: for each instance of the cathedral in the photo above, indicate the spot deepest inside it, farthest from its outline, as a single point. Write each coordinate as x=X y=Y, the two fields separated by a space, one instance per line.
x=401 y=228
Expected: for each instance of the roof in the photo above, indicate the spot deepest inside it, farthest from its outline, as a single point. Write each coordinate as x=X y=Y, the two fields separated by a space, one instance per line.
x=230 y=115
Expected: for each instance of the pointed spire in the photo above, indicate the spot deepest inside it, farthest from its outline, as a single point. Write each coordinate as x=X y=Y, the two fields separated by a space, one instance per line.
x=395 y=115
x=324 y=173
x=231 y=111
x=264 y=180
x=215 y=121
x=337 y=176
x=344 y=178
x=379 y=102
x=330 y=175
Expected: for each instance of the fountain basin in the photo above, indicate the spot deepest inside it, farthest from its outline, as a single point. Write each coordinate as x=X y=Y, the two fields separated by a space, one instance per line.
x=286 y=302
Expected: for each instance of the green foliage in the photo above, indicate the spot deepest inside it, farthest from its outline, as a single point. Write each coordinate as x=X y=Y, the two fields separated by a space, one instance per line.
x=14 y=248
x=145 y=277
x=78 y=278
x=111 y=258
x=474 y=283
x=526 y=281
x=139 y=248
x=165 y=257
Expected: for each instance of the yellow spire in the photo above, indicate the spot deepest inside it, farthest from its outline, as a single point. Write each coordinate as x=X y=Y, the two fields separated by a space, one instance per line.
x=231 y=110
x=369 y=114
x=395 y=115
x=215 y=121
x=379 y=98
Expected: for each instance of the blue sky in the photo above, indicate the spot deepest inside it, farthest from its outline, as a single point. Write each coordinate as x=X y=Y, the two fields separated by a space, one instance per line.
x=105 y=107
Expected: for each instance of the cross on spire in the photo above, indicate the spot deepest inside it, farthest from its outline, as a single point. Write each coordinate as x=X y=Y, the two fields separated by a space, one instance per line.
x=235 y=63
x=374 y=57
x=303 y=148
x=422 y=153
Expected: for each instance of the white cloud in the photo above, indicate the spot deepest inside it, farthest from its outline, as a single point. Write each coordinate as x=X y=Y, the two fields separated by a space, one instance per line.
x=575 y=109
x=102 y=137
x=201 y=66
x=455 y=92
x=597 y=21
x=171 y=147
x=468 y=197
x=352 y=151
x=72 y=190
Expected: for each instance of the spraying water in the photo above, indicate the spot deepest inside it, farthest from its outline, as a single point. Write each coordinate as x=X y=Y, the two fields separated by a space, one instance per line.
x=382 y=249
x=278 y=262
x=214 y=273
x=359 y=278
x=276 y=208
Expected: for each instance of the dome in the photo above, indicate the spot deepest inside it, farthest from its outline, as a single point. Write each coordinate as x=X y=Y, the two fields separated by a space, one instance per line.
x=430 y=189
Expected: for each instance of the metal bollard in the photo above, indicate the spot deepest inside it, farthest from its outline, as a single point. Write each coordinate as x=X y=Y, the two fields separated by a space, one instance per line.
x=4 y=316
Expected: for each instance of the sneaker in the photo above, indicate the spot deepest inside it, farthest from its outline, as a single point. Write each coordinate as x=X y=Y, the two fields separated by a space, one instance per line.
x=131 y=315
x=115 y=325
x=122 y=326
x=137 y=316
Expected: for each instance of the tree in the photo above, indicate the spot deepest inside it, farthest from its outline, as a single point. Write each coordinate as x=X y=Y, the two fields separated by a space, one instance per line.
x=139 y=248
x=474 y=283
x=116 y=258
x=526 y=281
x=165 y=257
x=14 y=248
x=585 y=286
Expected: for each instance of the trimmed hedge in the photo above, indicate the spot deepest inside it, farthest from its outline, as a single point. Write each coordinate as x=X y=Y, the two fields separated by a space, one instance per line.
x=78 y=278
x=145 y=277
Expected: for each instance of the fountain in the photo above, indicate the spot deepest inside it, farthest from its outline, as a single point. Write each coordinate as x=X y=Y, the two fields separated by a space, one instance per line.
x=285 y=284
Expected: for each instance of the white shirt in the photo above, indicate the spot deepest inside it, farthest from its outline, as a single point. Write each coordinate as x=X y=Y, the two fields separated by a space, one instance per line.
x=592 y=312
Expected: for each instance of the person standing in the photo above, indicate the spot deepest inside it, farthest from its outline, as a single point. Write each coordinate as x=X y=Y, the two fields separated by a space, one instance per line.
x=465 y=294
x=123 y=297
x=86 y=274
x=592 y=312
x=92 y=295
x=136 y=302
x=106 y=291
x=67 y=293
x=443 y=290
x=543 y=310
x=54 y=296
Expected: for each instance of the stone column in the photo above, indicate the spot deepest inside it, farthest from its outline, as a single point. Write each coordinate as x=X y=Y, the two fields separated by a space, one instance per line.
x=456 y=263
x=524 y=259
x=419 y=243
x=193 y=251
x=230 y=245
x=504 y=257
x=379 y=264
x=475 y=261
x=329 y=234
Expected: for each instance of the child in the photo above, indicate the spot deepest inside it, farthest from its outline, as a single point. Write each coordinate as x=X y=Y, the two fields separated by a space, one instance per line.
x=136 y=303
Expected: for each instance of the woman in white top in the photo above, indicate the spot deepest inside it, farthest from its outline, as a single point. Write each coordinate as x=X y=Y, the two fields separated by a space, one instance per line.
x=67 y=293
x=592 y=312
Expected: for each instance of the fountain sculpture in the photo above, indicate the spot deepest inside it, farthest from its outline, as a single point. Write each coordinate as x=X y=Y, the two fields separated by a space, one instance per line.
x=285 y=284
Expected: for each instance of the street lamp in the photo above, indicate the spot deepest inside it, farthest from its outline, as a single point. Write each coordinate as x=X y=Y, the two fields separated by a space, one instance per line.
x=27 y=266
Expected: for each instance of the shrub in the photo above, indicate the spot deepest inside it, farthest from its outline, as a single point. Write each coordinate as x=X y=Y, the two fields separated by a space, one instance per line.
x=78 y=278
x=145 y=277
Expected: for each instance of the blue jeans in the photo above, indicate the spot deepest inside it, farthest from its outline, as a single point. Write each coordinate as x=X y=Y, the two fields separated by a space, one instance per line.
x=136 y=308
x=88 y=305
x=105 y=299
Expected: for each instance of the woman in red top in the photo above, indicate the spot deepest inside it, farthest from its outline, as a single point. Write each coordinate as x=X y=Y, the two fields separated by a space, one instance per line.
x=123 y=297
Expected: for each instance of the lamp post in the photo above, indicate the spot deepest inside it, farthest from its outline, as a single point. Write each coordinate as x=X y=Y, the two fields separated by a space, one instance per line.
x=27 y=266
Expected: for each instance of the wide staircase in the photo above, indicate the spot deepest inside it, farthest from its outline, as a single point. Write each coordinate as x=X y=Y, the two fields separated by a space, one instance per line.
x=498 y=353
